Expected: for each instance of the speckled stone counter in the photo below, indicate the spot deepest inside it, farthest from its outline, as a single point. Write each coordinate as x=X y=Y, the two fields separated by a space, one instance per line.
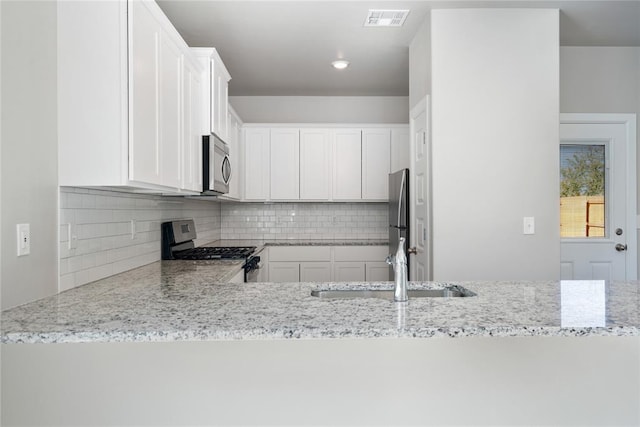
x=291 y=242
x=173 y=301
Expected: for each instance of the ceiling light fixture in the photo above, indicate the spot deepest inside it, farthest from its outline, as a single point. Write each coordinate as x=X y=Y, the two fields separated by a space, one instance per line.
x=340 y=64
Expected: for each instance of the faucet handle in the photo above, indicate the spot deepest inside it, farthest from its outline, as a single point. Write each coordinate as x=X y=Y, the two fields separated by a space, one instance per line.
x=390 y=259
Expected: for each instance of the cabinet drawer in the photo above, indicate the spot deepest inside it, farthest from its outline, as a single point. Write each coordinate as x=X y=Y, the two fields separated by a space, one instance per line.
x=300 y=253
x=360 y=253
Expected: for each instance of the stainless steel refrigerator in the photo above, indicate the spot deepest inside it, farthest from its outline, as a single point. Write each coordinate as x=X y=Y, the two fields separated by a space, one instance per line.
x=398 y=212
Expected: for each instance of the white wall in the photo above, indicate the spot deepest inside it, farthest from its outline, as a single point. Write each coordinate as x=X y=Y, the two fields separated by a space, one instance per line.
x=29 y=149
x=495 y=143
x=322 y=109
x=420 y=64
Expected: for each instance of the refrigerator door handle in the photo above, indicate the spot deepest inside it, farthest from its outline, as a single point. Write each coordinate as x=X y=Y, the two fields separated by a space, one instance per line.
x=404 y=174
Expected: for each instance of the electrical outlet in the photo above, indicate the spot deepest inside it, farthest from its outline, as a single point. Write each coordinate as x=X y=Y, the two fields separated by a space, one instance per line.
x=23 y=234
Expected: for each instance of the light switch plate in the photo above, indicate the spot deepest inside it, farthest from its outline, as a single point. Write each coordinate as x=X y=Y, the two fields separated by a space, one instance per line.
x=529 y=225
x=23 y=234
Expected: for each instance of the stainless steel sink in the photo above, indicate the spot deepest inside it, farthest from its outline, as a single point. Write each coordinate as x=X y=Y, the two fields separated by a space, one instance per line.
x=388 y=294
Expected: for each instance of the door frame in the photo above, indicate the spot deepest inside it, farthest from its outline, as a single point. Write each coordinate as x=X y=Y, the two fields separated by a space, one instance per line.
x=423 y=106
x=629 y=122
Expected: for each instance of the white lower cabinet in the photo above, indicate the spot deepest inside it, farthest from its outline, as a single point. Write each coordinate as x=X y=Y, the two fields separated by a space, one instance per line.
x=377 y=271
x=284 y=271
x=315 y=271
x=349 y=271
x=327 y=263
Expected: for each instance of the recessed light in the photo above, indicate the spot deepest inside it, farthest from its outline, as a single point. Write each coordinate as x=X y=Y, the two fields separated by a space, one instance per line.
x=340 y=64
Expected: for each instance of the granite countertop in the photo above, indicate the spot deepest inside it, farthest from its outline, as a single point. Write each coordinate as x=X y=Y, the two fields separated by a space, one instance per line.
x=292 y=242
x=176 y=301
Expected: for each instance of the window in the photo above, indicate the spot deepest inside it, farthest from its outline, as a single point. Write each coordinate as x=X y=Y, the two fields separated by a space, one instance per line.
x=582 y=190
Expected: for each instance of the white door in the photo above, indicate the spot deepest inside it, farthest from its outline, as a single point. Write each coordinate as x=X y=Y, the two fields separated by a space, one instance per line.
x=597 y=197
x=419 y=186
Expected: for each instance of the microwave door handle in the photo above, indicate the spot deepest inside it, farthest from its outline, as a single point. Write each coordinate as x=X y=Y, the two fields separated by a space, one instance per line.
x=226 y=170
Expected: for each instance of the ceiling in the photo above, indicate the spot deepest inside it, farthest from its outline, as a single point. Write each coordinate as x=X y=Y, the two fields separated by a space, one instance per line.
x=285 y=47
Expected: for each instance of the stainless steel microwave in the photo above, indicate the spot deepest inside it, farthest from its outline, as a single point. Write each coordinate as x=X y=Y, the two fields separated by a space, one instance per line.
x=216 y=172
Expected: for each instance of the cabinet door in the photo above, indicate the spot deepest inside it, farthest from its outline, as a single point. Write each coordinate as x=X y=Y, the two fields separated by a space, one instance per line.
x=144 y=138
x=220 y=98
x=315 y=166
x=377 y=271
x=284 y=272
x=348 y=271
x=347 y=164
x=234 y=157
x=170 y=112
x=256 y=166
x=376 y=145
x=191 y=139
x=315 y=271
x=285 y=164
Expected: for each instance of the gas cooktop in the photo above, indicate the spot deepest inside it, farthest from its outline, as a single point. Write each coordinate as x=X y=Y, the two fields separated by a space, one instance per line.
x=215 y=253
x=178 y=243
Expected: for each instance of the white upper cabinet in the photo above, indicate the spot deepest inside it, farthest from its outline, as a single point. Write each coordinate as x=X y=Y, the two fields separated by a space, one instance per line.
x=285 y=164
x=219 y=114
x=215 y=102
x=319 y=164
x=256 y=163
x=170 y=112
x=192 y=138
x=235 y=156
x=347 y=164
x=315 y=164
x=144 y=130
x=121 y=100
x=376 y=146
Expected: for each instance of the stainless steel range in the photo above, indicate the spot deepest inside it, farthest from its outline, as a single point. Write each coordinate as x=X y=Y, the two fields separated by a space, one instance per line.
x=178 y=244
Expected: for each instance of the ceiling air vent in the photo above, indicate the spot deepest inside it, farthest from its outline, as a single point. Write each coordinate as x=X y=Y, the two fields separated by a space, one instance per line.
x=385 y=18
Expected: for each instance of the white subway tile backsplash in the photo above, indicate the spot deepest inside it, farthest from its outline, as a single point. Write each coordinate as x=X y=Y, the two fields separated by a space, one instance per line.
x=304 y=221
x=101 y=223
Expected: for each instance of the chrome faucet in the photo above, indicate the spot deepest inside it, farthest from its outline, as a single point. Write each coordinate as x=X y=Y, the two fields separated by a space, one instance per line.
x=399 y=263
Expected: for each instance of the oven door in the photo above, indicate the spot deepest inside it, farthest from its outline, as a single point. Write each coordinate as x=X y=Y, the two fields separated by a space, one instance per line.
x=252 y=269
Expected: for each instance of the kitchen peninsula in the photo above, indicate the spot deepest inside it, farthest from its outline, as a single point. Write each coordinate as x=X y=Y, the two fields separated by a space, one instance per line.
x=167 y=344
